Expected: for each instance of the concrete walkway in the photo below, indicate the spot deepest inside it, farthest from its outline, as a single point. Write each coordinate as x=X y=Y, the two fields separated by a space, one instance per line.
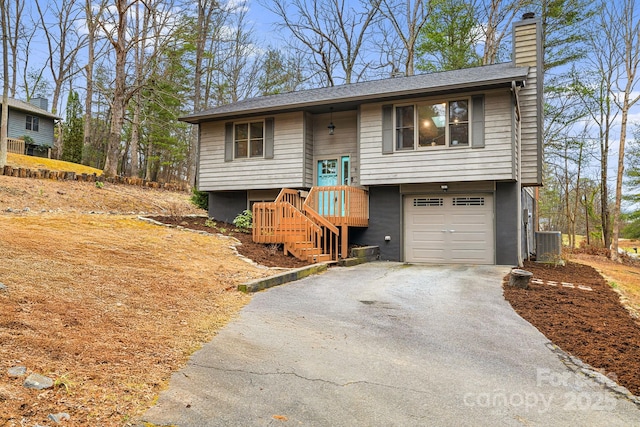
x=385 y=344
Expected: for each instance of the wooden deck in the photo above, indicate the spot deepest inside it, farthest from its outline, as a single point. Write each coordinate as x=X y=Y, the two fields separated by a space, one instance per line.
x=313 y=228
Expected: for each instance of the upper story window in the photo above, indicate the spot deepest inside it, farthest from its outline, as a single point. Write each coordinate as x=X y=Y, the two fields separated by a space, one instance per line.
x=249 y=140
x=432 y=124
x=33 y=123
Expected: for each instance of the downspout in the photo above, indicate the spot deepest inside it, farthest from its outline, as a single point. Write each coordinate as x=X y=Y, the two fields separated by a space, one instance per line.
x=515 y=89
x=196 y=180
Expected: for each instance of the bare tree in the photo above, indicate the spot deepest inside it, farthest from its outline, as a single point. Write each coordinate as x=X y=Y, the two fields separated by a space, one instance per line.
x=208 y=10
x=64 y=44
x=238 y=66
x=141 y=28
x=92 y=28
x=498 y=15
x=115 y=28
x=407 y=18
x=332 y=33
x=4 y=119
x=123 y=39
x=626 y=28
x=15 y=33
x=597 y=96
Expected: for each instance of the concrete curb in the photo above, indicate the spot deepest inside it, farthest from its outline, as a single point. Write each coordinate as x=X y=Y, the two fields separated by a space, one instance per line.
x=279 y=279
x=360 y=256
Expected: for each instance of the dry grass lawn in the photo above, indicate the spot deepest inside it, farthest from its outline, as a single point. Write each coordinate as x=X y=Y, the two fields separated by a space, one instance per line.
x=105 y=304
x=31 y=162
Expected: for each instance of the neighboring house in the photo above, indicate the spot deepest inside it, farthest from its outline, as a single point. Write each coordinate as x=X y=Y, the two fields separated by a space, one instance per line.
x=445 y=163
x=31 y=119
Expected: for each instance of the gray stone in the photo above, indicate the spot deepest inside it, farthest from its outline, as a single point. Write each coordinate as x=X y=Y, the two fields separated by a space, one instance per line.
x=27 y=209
x=8 y=210
x=17 y=371
x=38 y=382
x=520 y=278
x=57 y=418
x=3 y=287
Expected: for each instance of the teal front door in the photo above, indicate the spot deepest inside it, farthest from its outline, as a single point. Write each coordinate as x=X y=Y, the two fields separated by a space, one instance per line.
x=331 y=173
x=327 y=172
x=327 y=177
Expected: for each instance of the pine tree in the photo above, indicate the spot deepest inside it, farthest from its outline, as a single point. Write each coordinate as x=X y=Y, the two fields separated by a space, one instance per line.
x=448 y=39
x=73 y=130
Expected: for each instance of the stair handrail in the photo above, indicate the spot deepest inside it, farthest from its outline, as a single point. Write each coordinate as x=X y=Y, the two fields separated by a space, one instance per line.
x=286 y=219
x=291 y=196
x=319 y=219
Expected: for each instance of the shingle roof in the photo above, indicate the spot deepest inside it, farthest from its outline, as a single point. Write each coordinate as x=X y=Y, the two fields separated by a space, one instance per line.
x=375 y=90
x=16 y=104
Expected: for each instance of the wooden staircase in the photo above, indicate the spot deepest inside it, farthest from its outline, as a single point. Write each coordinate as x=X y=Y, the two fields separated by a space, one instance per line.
x=293 y=221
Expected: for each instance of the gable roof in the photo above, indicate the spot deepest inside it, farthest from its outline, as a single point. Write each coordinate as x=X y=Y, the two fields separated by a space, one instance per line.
x=16 y=104
x=350 y=95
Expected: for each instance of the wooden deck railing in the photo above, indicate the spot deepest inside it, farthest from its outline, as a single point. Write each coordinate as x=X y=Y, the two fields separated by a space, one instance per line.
x=341 y=205
x=282 y=222
x=15 y=145
x=314 y=228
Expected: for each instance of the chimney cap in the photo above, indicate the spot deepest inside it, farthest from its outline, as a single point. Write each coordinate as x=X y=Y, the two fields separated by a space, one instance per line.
x=528 y=15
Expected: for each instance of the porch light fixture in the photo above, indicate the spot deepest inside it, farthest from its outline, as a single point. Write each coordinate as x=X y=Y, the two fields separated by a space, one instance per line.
x=444 y=187
x=331 y=126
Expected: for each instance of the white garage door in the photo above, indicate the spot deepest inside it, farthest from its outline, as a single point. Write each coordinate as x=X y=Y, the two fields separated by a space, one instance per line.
x=449 y=229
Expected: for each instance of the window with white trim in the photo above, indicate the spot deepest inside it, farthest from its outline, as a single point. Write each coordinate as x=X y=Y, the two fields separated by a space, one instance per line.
x=33 y=124
x=248 y=140
x=444 y=124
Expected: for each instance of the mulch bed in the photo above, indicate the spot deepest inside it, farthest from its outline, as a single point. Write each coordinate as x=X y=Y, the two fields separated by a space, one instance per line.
x=267 y=255
x=591 y=325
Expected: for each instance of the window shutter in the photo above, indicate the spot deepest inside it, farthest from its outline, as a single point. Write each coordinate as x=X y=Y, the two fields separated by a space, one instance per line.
x=387 y=129
x=228 y=142
x=268 y=138
x=477 y=130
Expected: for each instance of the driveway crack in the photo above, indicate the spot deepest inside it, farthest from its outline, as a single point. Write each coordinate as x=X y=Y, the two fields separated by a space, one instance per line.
x=302 y=377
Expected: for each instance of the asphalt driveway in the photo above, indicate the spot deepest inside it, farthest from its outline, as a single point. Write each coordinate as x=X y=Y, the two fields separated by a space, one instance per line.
x=385 y=344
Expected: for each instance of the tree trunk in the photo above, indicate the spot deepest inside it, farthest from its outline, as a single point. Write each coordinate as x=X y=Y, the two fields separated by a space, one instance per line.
x=88 y=102
x=616 y=210
x=118 y=103
x=5 y=87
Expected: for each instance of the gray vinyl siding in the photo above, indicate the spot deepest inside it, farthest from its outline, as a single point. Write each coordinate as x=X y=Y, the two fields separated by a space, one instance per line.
x=492 y=162
x=531 y=166
x=308 y=150
x=17 y=128
x=516 y=137
x=286 y=169
x=342 y=143
x=527 y=52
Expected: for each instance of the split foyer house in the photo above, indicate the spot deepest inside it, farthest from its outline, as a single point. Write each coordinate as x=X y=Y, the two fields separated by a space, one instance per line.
x=434 y=168
x=34 y=121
